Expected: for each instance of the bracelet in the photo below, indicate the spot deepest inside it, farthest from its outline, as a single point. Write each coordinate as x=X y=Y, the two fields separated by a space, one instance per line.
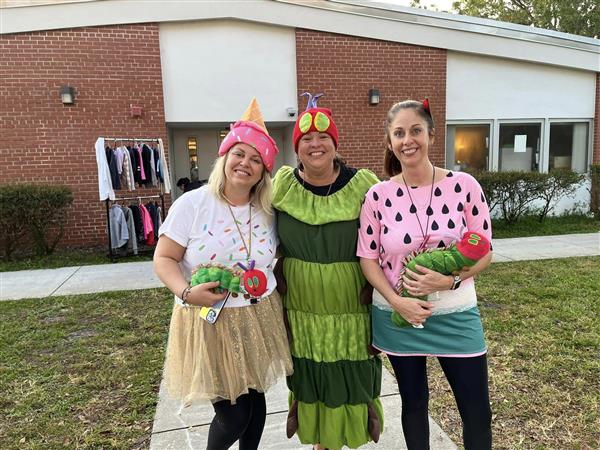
x=184 y=295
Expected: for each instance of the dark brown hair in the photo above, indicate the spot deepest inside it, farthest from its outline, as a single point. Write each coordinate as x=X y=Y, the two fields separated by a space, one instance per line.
x=391 y=164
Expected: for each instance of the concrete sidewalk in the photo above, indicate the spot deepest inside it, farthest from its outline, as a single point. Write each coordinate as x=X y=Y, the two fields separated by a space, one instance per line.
x=139 y=275
x=188 y=428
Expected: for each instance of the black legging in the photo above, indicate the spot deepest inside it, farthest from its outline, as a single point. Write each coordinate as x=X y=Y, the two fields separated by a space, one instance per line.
x=244 y=421
x=469 y=381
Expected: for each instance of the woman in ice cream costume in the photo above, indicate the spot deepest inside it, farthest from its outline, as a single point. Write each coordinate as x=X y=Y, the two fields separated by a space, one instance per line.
x=226 y=226
x=335 y=387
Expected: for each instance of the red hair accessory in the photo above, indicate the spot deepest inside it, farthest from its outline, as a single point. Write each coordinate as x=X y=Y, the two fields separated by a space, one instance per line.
x=426 y=106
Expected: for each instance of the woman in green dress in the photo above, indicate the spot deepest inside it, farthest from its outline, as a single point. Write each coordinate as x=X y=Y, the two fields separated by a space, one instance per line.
x=336 y=382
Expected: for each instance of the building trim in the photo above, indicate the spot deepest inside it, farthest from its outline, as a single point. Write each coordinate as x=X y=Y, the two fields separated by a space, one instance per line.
x=356 y=18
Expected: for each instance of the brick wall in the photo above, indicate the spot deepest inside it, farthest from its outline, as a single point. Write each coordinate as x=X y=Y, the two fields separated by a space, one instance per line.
x=45 y=142
x=596 y=143
x=346 y=67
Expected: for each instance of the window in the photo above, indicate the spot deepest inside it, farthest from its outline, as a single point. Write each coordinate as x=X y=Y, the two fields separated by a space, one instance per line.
x=519 y=145
x=467 y=146
x=568 y=146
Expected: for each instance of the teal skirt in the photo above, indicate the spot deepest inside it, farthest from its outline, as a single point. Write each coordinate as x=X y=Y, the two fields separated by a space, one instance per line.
x=459 y=334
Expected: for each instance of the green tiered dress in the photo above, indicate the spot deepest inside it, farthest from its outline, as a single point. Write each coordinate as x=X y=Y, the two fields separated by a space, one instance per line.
x=335 y=377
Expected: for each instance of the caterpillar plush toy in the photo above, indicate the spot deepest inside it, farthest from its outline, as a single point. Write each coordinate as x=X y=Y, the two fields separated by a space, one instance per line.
x=470 y=249
x=229 y=278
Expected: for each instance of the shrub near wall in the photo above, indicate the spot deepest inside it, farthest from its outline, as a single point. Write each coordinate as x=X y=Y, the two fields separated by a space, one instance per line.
x=514 y=193
x=33 y=213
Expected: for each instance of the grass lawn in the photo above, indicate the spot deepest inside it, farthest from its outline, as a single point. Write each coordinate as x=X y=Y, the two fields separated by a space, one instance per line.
x=66 y=258
x=542 y=324
x=531 y=226
x=83 y=371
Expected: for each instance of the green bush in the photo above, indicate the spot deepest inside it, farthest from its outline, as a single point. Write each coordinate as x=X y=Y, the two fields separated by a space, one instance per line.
x=595 y=190
x=559 y=183
x=33 y=211
x=513 y=193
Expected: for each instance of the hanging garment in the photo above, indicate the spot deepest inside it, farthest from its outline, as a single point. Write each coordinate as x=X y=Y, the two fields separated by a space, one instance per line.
x=164 y=167
x=128 y=170
x=146 y=165
x=135 y=163
x=132 y=242
x=138 y=223
x=111 y=159
x=159 y=173
x=152 y=209
x=148 y=227
x=159 y=214
x=153 y=168
x=105 y=188
x=140 y=162
x=119 y=233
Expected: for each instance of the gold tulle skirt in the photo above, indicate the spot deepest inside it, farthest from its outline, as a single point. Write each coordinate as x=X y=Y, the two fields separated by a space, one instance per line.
x=247 y=348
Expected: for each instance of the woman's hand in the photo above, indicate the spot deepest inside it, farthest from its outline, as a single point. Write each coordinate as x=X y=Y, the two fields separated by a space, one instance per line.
x=426 y=282
x=201 y=294
x=413 y=310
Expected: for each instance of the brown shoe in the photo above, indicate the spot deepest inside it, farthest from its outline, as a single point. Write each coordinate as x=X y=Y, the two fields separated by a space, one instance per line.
x=291 y=425
x=373 y=423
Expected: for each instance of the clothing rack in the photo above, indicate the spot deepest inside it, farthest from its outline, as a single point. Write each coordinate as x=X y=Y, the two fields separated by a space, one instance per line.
x=111 y=253
x=130 y=139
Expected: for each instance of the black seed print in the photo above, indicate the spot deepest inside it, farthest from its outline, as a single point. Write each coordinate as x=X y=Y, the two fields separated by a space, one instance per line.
x=441 y=244
x=379 y=216
x=429 y=211
x=369 y=230
x=468 y=197
x=413 y=208
x=482 y=198
x=374 y=214
x=457 y=188
x=375 y=196
x=464 y=222
x=450 y=174
x=451 y=224
x=445 y=209
x=399 y=192
x=460 y=206
x=389 y=265
x=388 y=203
x=381 y=249
x=373 y=245
x=385 y=229
x=437 y=192
x=485 y=225
x=435 y=226
x=407 y=239
x=475 y=210
x=398 y=217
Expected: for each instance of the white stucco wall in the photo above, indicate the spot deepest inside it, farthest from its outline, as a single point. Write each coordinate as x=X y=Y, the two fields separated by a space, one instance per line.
x=211 y=70
x=480 y=87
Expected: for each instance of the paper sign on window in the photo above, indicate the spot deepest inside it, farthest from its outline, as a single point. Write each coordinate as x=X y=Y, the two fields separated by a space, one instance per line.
x=520 y=143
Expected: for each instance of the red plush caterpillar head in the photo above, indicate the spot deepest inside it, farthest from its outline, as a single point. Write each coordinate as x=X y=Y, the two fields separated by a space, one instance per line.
x=255 y=280
x=473 y=246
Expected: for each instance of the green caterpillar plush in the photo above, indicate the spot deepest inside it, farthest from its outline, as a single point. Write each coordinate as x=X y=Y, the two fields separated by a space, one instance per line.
x=229 y=278
x=470 y=249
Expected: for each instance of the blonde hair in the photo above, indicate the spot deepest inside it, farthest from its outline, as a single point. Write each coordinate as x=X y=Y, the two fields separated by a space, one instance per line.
x=261 y=193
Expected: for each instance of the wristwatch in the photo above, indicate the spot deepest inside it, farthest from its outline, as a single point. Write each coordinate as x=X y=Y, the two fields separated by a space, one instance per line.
x=456 y=282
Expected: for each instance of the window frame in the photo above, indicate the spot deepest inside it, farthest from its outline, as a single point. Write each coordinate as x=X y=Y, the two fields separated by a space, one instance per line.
x=489 y=122
x=590 y=140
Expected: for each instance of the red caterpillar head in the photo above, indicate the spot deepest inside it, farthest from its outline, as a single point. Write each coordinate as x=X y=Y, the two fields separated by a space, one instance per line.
x=255 y=280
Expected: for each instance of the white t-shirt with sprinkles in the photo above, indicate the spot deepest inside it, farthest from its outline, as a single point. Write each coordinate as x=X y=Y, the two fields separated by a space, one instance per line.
x=203 y=225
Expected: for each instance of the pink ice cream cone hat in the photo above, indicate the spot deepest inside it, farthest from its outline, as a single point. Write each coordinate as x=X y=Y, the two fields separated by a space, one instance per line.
x=251 y=130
